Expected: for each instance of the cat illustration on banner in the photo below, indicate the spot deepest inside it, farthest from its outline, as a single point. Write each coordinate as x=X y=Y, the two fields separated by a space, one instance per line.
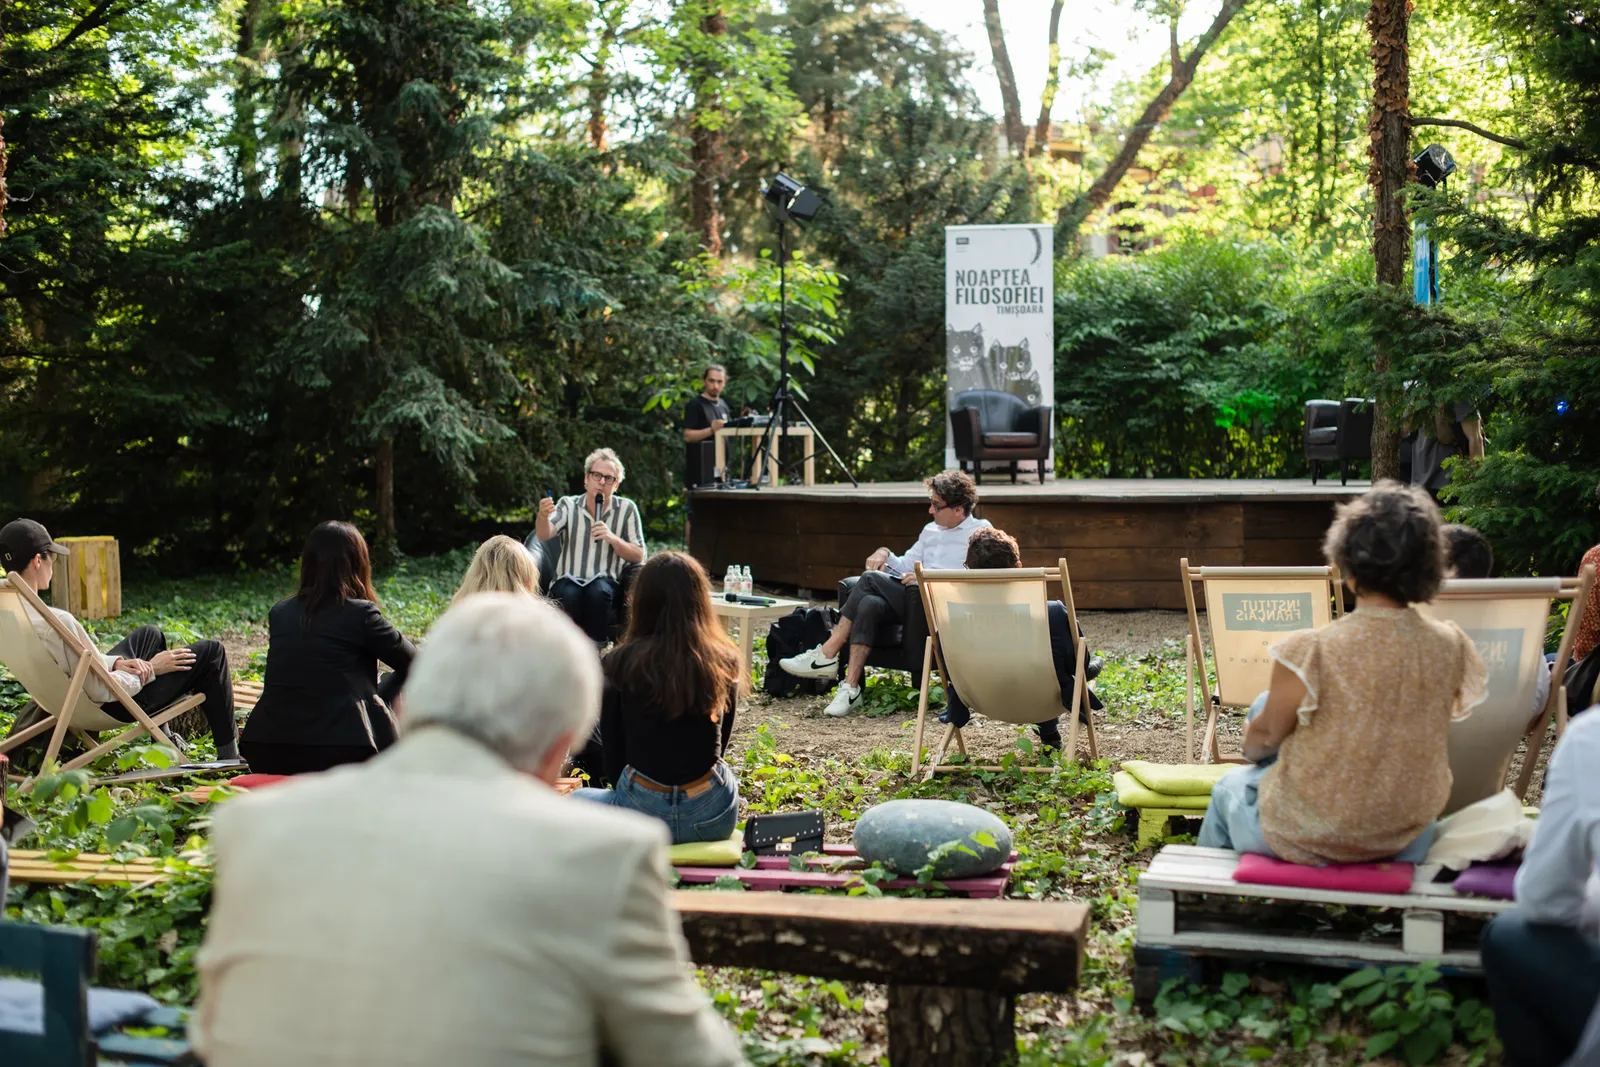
x=1008 y=368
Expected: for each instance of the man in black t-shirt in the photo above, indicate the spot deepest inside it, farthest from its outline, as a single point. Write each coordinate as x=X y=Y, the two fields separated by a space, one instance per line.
x=703 y=416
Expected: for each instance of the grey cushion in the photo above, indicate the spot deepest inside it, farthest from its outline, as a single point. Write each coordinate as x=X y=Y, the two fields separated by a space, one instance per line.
x=22 y=1007
x=1011 y=440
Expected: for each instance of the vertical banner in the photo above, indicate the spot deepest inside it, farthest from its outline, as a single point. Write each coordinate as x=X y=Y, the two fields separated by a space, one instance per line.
x=999 y=315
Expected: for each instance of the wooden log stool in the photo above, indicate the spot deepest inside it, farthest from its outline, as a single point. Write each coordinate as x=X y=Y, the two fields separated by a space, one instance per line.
x=953 y=967
x=88 y=583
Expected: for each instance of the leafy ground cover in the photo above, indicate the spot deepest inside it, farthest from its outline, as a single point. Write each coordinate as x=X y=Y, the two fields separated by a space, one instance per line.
x=1067 y=829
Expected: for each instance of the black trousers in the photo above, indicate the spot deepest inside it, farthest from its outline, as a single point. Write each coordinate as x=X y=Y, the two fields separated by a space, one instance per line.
x=876 y=600
x=270 y=758
x=208 y=676
x=1543 y=982
x=590 y=605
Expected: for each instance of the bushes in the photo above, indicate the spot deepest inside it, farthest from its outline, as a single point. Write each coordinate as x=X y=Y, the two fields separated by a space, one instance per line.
x=1193 y=360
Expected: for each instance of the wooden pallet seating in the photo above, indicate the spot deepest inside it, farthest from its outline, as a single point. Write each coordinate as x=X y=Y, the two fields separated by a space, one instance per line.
x=1182 y=917
x=31 y=865
x=953 y=967
x=772 y=874
x=245 y=695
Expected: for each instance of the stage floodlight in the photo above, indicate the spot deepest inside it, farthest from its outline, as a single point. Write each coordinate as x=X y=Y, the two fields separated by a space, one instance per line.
x=790 y=199
x=1434 y=165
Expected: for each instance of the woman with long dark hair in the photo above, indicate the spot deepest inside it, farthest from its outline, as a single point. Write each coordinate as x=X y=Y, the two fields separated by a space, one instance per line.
x=321 y=704
x=672 y=687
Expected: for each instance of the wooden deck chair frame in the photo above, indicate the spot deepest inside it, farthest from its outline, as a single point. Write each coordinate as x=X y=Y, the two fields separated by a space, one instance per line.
x=1194 y=647
x=76 y=712
x=1575 y=590
x=933 y=652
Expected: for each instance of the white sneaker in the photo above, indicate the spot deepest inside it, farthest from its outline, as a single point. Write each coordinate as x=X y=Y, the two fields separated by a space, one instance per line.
x=846 y=699
x=812 y=664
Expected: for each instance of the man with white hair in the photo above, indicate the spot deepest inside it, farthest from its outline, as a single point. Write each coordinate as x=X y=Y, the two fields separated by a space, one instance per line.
x=442 y=904
x=600 y=535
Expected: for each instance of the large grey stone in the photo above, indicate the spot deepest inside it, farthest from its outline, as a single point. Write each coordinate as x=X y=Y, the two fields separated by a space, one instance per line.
x=902 y=833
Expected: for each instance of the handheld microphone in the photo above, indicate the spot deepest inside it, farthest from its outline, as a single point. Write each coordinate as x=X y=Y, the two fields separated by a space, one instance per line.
x=599 y=502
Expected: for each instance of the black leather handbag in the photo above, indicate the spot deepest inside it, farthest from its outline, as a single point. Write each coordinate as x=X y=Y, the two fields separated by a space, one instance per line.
x=784 y=833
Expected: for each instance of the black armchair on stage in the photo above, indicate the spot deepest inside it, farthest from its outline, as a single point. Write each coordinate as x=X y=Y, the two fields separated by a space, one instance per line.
x=991 y=425
x=1338 y=431
x=900 y=646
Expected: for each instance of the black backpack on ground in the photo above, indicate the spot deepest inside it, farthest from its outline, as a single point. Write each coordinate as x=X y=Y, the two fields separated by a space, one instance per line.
x=796 y=632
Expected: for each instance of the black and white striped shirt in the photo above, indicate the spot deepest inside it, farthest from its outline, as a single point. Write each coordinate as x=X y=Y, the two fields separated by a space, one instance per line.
x=582 y=557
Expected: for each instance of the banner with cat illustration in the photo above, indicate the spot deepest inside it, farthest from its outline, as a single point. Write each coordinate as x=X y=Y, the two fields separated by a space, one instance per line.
x=999 y=299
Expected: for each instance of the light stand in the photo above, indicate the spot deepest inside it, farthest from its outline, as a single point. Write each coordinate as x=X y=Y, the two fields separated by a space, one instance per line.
x=789 y=199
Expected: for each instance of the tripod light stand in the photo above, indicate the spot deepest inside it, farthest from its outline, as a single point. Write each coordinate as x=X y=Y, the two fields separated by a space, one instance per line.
x=789 y=200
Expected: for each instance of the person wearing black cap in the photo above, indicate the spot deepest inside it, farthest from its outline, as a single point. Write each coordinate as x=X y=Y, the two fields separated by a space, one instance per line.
x=154 y=675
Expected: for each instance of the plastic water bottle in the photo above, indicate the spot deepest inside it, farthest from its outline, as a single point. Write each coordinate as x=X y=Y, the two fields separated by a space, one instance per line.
x=730 y=584
x=746 y=586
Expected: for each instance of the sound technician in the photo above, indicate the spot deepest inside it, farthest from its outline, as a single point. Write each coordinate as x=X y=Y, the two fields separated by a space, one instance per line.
x=600 y=534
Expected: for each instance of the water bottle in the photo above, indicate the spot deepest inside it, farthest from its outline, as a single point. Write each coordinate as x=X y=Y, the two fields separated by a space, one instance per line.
x=730 y=583
x=746 y=586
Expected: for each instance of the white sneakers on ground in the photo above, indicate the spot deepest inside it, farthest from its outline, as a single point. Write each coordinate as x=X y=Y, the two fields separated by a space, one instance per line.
x=811 y=664
x=846 y=699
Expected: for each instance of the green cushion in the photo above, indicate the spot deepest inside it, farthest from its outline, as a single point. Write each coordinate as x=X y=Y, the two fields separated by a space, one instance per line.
x=1131 y=793
x=1178 y=779
x=710 y=853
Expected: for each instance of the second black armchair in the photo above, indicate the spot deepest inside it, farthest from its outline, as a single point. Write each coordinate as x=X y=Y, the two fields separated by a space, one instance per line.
x=989 y=424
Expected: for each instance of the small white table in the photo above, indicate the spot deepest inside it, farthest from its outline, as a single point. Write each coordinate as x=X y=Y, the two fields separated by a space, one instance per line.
x=795 y=429
x=747 y=618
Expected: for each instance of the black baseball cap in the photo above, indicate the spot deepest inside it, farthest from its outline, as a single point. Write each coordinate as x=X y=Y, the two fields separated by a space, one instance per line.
x=23 y=539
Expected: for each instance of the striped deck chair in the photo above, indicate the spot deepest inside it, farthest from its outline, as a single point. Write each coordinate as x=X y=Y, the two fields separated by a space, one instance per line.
x=989 y=631
x=1248 y=609
x=1507 y=619
x=61 y=698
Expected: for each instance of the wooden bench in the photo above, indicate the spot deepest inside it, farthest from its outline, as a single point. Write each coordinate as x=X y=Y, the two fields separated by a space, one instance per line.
x=953 y=967
x=1182 y=918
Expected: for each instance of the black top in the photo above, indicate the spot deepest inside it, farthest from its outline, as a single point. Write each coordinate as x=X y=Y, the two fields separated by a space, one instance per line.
x=700 y=456
x=669 y=752
x=321 y=686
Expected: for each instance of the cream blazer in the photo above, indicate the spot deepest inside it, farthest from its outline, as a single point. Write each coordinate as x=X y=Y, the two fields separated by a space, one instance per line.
x=434 y=907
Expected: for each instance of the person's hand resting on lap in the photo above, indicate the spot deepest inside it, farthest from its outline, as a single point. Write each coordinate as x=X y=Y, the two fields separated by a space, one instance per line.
x=1266 y=732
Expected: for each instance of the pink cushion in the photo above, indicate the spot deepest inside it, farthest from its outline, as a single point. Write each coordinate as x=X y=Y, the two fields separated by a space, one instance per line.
x=1340 y=877
x=256 y=781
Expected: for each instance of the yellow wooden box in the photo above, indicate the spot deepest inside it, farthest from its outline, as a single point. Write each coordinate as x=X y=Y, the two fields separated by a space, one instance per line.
x=88 y=583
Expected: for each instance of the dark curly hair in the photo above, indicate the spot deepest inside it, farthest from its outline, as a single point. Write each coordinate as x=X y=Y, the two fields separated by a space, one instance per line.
x=989 y=549
x=955 y=488
x=1389 y=542
x=1469 y=553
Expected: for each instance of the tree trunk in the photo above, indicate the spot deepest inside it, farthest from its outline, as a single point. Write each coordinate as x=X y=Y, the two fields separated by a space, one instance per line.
x=1073 y=214
x=1389 y=169
x=1016 y=133
x=611 y=15
x=249 y=56
x=385 y=550
x=1052 y=82
x=931 y=1026
x=2 y=178
x=705 y=152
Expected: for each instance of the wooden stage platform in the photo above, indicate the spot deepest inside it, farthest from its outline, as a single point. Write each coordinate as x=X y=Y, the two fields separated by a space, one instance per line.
x=1122 y=537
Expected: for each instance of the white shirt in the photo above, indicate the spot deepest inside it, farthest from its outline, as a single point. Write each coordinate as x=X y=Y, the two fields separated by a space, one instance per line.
x=937 y=548
x=67 y=658
x=1560 y=873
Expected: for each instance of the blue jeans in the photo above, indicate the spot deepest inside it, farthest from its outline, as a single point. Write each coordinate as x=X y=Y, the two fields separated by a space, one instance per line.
x=1234 y=818
x=707 y=816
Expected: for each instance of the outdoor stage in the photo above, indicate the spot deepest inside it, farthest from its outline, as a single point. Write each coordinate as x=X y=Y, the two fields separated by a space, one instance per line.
x=1121 y=537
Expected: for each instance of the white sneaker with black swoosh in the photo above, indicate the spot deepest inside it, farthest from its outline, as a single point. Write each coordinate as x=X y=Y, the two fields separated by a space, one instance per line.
x=810 y=664
x=846 y=699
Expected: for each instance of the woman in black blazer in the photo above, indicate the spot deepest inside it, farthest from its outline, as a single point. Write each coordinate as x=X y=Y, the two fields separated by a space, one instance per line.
x=321 y=704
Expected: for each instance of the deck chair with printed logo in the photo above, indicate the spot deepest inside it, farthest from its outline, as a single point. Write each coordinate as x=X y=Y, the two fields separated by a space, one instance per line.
x=1248 y=609
x=65 y=706
x=1507 y=619
x=989 y=633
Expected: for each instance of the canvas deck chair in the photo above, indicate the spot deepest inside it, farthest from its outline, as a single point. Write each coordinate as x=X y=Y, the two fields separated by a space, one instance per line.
x=1506 y=619
x=62 y=699
x=989 y=632
x=1248 y=609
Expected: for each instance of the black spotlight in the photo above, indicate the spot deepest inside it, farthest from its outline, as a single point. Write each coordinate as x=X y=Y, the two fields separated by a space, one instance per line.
x=791 y=199
x=1434 y=165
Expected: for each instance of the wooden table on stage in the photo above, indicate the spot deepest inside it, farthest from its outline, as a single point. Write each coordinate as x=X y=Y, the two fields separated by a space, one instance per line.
x=748 y=617
x=800 y=430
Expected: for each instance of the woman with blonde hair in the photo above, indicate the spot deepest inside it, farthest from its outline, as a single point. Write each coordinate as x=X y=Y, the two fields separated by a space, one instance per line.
x=501 y=565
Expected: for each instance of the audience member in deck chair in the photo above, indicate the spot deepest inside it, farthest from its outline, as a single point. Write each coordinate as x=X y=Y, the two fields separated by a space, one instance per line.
x=671 y=689
x=501 y=565
x=993 y=549
x=442 y=904
x=880 y=597
x=1468 y=554
x=154 y=675
x=1541 y=959
x=321 y=702
x=1351 y=742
